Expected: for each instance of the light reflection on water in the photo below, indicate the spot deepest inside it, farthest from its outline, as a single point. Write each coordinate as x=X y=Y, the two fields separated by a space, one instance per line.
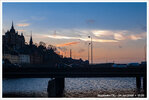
x=33 y=85
x=100 y=84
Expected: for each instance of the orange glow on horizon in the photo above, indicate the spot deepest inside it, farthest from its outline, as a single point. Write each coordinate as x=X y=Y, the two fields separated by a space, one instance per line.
x=67 y=44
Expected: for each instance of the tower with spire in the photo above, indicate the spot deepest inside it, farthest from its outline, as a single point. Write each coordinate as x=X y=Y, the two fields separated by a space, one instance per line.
x=31 y=41
x=12 y=38
x=12 y=30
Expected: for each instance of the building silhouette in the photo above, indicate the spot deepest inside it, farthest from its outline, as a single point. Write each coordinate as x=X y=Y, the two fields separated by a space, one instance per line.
x=16 y=51
x=13 y=39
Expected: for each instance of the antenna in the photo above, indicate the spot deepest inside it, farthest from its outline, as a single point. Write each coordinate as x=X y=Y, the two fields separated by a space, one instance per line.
x=70 y=53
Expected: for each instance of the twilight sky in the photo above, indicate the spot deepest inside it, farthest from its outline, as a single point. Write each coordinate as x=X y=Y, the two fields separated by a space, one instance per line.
x=118 y=29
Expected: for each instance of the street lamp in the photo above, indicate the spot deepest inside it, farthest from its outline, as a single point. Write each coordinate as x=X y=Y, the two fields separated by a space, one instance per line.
x=145 y=53
x=88 y=52
x=91 y=50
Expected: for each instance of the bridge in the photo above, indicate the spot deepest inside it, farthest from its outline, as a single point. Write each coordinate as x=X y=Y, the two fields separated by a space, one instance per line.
x=60 y=74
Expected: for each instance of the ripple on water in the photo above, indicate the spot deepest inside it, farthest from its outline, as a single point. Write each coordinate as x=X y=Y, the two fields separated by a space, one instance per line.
x=81 y=86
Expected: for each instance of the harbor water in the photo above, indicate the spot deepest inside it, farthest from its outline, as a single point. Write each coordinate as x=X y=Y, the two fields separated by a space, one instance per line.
x=74 y=87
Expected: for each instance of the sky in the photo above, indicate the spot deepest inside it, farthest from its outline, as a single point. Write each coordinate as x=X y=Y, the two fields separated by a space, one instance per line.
x=118 y=30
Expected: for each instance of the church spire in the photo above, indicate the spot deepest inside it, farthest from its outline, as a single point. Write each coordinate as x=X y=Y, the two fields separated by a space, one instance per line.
x=31 y=41
x=12 y=30
x=12 y=26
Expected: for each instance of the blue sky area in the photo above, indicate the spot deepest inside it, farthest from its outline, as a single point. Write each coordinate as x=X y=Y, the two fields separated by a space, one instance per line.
x=118 y=26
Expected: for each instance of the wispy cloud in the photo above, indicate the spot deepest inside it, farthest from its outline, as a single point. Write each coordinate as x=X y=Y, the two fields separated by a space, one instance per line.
x=62 y=37
x=67 y=44
x=133 y=37
x=119 y=36
x=100 y=33
x=23 y=24
x=80 y=38
x=102 y=36
x=97 y=40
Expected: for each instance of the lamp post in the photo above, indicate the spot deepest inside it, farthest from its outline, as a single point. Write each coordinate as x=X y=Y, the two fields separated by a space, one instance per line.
x=89 y=53
x=91 y=50
x=145 y=53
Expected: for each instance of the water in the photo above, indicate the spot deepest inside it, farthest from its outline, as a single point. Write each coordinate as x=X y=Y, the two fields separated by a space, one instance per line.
x=73 y=86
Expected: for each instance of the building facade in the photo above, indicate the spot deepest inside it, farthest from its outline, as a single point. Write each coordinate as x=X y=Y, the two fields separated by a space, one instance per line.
x=36 y=58
x=24 y=59
x=12 y=58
